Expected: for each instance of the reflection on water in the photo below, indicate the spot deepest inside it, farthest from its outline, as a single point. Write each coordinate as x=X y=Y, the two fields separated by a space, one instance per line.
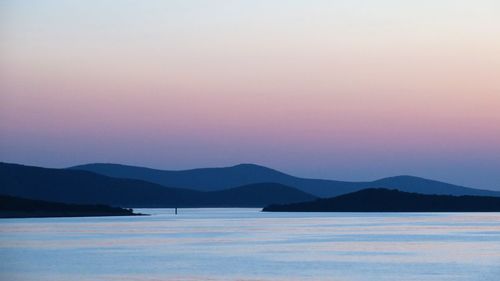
x=245 y=244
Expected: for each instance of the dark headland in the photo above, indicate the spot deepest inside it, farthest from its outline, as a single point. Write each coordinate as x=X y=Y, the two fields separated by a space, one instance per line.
x=389 y=200
x=15 y=207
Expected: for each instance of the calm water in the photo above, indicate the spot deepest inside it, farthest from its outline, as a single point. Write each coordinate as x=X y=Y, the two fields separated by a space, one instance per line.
x=245 y=244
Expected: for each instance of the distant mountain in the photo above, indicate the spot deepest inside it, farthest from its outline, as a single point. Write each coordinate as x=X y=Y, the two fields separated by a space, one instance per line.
x=204 y=179
x=83 y=187
x=385 y=200
x=426 y=186
x=210 y=179
x=15 y=207
x=257 y=195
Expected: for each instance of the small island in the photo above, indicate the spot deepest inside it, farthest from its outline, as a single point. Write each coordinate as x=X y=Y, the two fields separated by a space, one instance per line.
x=15 y=207
x=391 y=200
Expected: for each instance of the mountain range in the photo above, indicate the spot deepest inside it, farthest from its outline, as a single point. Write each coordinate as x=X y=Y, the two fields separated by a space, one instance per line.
x=211 y=179
x=83 y=187
x=245 y=185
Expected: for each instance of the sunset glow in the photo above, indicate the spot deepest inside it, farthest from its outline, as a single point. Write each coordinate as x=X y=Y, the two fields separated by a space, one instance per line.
x=349 y=90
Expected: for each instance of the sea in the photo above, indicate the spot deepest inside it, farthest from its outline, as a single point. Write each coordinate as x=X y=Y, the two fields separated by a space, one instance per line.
x=246 y=244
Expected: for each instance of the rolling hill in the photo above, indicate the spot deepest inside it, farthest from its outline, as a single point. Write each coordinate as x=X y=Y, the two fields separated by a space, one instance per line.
x=83 y=187
x=211 y=179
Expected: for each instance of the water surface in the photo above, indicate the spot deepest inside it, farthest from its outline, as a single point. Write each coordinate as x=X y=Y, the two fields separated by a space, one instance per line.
x=246 y=244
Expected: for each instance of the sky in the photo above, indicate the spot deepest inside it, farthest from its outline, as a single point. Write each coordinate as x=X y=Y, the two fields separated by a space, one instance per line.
x=348 y=90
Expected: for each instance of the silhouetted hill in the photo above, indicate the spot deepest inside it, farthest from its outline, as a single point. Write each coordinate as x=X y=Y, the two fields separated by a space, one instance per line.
x=83 y=187
x=15 y=207
x=258 y=194
x=385 y=200
x=209 y=179
x=204 y=179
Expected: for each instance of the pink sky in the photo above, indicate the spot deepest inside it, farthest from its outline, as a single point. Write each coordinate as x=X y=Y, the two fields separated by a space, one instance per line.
x=349 y=90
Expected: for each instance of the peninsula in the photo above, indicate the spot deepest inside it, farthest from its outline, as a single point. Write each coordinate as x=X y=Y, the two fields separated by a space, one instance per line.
x=390 y=200
x=15 y=207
